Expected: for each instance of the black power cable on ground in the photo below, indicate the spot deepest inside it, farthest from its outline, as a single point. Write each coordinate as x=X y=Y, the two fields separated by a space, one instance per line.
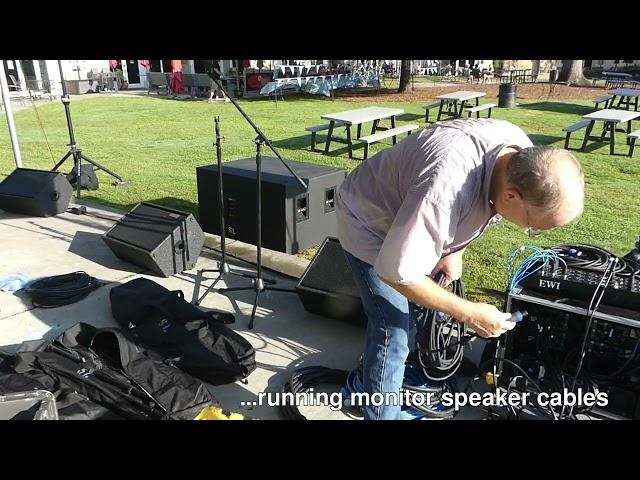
x=59 y=290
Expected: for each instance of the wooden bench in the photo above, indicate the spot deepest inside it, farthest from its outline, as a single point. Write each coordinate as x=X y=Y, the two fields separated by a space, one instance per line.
x=573 y=128
x=633 y=136
x=480 y=108
x=604 y=99
x=319 y=128
x=391 y=132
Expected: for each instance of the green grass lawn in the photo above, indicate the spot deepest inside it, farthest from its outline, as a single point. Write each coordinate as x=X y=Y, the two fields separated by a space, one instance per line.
x=157 y=143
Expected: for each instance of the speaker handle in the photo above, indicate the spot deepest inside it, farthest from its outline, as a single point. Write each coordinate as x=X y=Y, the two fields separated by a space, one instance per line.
x=179 y=247
x=55 y=195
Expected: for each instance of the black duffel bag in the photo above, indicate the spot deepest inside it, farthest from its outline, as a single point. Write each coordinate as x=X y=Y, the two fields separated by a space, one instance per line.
x=194 y=340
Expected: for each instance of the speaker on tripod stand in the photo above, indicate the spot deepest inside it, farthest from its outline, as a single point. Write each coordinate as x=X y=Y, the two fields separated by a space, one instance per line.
x=74 y=152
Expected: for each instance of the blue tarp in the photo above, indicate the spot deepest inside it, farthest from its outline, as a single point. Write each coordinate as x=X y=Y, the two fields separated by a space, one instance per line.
x=321 y=85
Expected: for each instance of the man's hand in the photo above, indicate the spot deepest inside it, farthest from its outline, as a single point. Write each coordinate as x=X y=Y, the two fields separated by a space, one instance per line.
x=451 y=266
x=487 y=321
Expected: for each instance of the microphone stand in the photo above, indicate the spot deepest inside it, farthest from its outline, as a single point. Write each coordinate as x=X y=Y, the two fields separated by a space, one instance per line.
x=223 y=267
x=257 y=281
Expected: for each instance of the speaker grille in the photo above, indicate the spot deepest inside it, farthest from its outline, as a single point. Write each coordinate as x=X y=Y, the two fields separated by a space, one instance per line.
x=330 y=271
x=148 y=225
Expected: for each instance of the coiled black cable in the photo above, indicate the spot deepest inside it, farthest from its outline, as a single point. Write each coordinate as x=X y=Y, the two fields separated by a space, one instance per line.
x=59 y=290
x=441 y=339
x=305 y=379
x=414 y=383
x=596 y=259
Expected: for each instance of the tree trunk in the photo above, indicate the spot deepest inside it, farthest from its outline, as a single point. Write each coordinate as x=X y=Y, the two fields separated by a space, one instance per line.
x=405 y=75
x=572 y=73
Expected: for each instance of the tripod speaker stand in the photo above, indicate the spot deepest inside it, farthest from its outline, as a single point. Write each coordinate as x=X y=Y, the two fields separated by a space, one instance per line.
x=257 y=281
x=74 y=151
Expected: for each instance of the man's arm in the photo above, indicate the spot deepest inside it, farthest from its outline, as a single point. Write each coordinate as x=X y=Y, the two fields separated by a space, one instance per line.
x=451 y=266
x=485 y=319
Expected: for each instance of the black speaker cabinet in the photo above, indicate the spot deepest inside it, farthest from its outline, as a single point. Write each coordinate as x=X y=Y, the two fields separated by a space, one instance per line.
x=40 y=193
x=292 y=218
x=161 y=239
x=327 y=287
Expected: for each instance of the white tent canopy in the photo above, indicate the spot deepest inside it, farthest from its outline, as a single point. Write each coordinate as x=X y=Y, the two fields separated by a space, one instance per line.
x=6 y=100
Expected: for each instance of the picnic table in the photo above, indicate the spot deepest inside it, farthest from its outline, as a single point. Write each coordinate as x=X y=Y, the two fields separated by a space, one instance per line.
x=611 y=118
x=627 y=97
x=517 y=76
x=616 y=74
x=358 y=117
x=614 y=79
x=456 y=102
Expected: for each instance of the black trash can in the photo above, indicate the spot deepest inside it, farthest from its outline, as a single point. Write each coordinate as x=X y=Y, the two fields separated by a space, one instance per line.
x=553 y=75
x=507 y=95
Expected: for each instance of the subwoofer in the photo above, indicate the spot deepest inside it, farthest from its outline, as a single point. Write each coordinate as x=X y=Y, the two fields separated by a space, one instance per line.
x=40 y=193
x=327 y=287
x=161 y=239
x=293 y=218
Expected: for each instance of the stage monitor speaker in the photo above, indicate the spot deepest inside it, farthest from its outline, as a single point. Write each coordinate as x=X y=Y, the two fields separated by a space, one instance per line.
x=327 y=287
x=39 y=193
x=161 y=239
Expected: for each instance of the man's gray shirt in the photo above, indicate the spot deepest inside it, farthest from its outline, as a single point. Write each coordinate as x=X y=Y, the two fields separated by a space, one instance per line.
x=407 y=206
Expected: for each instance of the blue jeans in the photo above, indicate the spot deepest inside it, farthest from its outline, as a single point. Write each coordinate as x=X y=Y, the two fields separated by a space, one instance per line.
x=387 y=337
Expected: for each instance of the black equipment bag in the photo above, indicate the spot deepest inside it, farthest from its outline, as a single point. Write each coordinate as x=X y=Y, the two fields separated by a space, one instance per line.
x=195 y=340
x=101 y=373
x=88 y=178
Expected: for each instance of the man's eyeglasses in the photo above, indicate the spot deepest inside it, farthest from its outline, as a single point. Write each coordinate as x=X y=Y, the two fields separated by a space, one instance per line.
x=531 y=231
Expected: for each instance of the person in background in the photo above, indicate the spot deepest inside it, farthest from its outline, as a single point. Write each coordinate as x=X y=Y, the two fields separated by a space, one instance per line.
x=214 y=72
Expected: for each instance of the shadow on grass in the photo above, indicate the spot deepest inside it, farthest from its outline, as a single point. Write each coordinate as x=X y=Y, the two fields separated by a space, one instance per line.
x=559 y=107
x=539 y=139
x=410 y=117
x=288 y=98
x=301 y=142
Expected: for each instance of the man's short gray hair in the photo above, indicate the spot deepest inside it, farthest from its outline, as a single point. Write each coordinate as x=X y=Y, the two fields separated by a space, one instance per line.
x=531 y=171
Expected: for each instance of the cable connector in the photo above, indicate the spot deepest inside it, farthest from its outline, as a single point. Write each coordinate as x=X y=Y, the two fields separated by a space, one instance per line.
x=518 y=316
x=490 y=378
x=77 y=210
